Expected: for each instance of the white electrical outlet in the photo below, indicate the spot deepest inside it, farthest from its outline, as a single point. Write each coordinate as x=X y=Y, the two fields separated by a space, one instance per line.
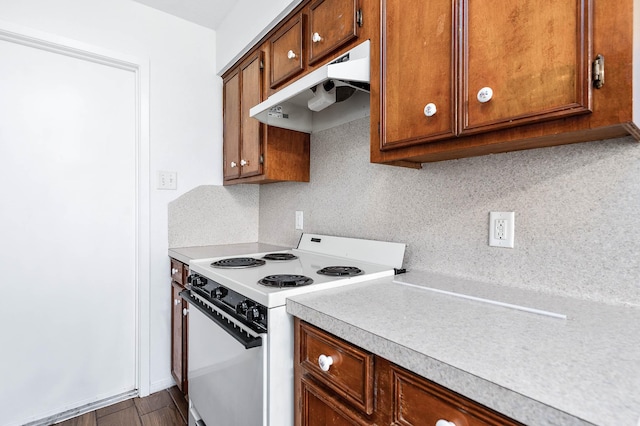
x=501 y=229
x=299 y=220
x=167 y=180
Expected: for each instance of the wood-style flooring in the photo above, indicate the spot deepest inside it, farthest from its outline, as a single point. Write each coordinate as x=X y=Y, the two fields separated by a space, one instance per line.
x=165 y=408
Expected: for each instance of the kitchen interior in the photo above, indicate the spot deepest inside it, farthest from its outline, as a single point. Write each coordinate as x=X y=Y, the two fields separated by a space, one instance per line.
x=441 y=327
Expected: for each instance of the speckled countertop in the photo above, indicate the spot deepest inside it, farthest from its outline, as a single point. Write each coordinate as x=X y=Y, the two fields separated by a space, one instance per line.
x=185 y=254
x=537 y=369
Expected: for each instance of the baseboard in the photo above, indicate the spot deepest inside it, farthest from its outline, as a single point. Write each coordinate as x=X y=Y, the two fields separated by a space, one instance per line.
x=78 y=411
x=161 y=385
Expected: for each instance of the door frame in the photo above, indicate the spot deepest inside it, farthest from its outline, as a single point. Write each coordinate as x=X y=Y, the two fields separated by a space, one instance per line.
x=140 y=67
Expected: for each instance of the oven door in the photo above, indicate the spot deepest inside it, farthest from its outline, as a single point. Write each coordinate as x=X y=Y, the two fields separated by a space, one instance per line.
x=227 y=378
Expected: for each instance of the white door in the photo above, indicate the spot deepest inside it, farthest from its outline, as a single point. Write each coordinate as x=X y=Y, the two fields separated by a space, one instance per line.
x=67 y=232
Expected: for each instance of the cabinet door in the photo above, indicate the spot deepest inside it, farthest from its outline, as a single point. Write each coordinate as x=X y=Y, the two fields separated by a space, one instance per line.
x=332 y=23
x=250 y=96
x=418 y=68
x=318 y=408
x=287 y=52
x=535 y=57
x=417 y=402
x=178 y=338
x=231 y=126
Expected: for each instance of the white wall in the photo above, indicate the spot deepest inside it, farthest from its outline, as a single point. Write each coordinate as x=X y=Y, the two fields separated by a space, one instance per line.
x=185 y=113
x=245 y=24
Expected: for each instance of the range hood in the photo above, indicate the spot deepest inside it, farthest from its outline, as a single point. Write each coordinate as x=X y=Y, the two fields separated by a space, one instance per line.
x=335 y=93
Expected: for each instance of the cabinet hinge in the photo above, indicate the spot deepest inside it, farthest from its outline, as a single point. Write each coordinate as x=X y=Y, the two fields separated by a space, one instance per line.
x=261 y=159
x=597 y=71
x=359 y=17
x=261 y=65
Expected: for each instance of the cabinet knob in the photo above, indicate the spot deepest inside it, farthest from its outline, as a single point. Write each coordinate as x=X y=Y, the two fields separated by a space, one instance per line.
x=485 y=94
x=430 y=109
x=243 y=162
x=316 y=38
x=174 y=271
x=176 y=302
x=325 y=362
x=234 y=164
x=291 y=54
x=185 y=311
x=443 y=422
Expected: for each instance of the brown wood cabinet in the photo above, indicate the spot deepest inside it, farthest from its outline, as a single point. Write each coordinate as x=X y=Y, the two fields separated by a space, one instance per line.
x=430 y=87
x=360 y=388
x=332 y=24
x=252 y=151
x=179 y=273
x=255 y=152
x=287 y=51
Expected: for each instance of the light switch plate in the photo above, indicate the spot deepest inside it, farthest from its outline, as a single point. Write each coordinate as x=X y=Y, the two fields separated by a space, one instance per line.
x=501 y=229
x=167 y=180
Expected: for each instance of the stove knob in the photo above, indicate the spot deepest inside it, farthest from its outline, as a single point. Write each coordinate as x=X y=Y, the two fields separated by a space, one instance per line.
x=198 y=281
x=243 y=307
x=220 y=292
x=253 y=314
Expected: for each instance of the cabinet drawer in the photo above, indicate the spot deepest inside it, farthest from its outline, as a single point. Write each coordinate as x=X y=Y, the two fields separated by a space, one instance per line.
x=178 y=271
x=417 y=401
x=286 y=52
x=350 y=374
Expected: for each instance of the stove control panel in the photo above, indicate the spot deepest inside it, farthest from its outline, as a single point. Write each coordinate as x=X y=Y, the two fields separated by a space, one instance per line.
x=231 y=302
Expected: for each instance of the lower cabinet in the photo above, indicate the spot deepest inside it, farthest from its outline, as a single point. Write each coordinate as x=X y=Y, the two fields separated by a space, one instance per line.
x=179 y=273
x=338 y=383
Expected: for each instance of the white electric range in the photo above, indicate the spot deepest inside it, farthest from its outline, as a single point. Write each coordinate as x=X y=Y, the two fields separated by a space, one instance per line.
x=240 y=362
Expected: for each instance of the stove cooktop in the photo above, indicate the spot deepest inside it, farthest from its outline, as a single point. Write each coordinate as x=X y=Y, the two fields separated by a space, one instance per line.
x=247 y=280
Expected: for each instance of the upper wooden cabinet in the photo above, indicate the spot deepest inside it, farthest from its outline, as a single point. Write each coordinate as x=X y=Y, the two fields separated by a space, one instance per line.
x=332 y=24
x=252 y=151
x=287 y=51
x=444 y=76
x=461 y=78
x=242 y=134
x=527 y=77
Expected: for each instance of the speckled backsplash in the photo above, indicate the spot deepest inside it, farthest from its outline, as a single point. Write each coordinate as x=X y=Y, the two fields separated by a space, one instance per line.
x=577 y=212
x=210 y=215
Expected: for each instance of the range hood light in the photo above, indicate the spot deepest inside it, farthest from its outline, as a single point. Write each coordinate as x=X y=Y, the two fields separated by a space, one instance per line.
x=322 y=97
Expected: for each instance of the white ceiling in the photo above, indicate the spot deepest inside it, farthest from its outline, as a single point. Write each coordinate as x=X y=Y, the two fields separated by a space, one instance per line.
x=208 y=13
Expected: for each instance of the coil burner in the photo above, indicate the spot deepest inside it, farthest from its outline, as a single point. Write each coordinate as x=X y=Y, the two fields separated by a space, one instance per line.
x=285 y=280
x=238 y=262
x=341 y=271
x=280 y=256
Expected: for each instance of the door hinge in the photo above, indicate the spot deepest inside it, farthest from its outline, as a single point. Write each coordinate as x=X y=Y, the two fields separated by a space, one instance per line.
x=261 y=159
x=261 y=65
x=597 y=71
x=359 y=17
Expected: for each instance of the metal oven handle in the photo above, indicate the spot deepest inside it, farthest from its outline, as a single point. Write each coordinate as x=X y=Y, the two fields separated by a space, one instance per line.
x=246 y=339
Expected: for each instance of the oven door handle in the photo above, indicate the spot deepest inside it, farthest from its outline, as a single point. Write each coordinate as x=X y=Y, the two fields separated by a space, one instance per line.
x=247 y=340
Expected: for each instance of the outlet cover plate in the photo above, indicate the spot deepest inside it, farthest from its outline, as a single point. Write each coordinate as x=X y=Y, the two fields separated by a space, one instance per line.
x=501 y=229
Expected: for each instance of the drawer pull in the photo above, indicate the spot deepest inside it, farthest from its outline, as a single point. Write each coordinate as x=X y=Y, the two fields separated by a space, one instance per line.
x=316 y=38
x=174 y=271
x=430 y=109
x=485 y=94
x=176 y=302
x=291 y=54
x=443 y=422
x=185 y=311
x=325 y=362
